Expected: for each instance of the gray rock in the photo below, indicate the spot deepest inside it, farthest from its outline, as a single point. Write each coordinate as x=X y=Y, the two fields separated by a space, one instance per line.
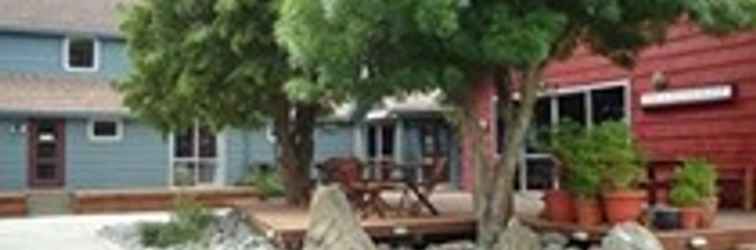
x=630 y=236
x=529 y=204
x=554 y=239
x=554 y=247
x=518 y=237
x=457 y=245
x=228 y=232
x=333 y=225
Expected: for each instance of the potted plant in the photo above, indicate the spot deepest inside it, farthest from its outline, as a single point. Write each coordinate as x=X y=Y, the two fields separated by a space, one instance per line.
x=701 y=176
x=622 y=168
x=584 y=182
x=575 y=149
x=685 y=197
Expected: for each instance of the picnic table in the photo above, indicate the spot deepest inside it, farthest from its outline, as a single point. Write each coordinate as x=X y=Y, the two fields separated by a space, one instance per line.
x=410 y=179
x=364 y=184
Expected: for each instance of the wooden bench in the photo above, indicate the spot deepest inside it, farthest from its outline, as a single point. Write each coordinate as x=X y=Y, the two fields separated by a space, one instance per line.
x=101 y=201
x=661 y=178
x=13 y=204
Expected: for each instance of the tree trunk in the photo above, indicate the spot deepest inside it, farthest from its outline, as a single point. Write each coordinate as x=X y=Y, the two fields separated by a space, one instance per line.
x=294 y=128
x=494 y=178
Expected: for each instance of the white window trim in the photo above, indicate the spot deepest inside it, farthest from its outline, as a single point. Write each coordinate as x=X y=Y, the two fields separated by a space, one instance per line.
x=95 y=138
x=96 y=59
x=220 y=160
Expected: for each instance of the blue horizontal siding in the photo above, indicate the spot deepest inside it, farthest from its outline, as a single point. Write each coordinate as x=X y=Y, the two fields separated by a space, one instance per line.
x=140 y=159
x=28 y=53
x=250 y=147
x=12 y=157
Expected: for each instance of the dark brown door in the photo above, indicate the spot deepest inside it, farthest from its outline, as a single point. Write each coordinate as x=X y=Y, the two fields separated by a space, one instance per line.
x=47 y=142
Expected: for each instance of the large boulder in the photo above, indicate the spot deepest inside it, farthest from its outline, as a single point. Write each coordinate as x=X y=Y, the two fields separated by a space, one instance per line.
x=630 y=236
x=518 y=237
x=529 y=204
x=333 y=226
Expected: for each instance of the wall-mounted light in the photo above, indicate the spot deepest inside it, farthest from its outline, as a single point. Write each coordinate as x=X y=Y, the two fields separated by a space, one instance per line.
x=18 y=128
x=659 y=81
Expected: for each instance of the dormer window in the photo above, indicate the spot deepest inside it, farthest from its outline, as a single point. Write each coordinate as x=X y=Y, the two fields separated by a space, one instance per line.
x=80 y=54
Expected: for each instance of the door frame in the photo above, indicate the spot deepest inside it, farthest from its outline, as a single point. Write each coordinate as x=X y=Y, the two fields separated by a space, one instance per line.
x=60 y=159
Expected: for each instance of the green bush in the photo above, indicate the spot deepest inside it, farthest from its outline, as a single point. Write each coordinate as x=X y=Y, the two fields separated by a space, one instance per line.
x=188 y=224
x=572 y=145
x=700 y=175
x=683 y=195
x=266 y=180
x=619 y=159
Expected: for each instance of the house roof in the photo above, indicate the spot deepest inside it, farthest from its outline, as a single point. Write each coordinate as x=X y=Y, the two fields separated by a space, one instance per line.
x=415 y=104
x=55 y=94
x=66 y=16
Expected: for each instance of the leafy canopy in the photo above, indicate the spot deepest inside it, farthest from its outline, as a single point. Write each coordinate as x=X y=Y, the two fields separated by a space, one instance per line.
x=384 y=46
x=212 y=60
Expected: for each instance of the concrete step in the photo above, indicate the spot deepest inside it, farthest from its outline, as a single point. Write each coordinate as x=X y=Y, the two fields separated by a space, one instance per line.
x=49 y=203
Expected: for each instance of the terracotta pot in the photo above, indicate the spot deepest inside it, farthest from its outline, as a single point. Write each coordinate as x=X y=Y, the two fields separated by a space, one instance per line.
x=624 y=206
x=588 y=211
x=560 y=206
x=709 y=210
x=690 y=217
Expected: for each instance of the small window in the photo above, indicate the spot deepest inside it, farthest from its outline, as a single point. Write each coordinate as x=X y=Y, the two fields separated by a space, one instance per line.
x=80 y=54
x=105 y=130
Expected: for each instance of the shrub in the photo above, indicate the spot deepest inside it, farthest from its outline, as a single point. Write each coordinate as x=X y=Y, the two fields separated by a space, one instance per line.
x=683 y=195
x=188 y=224
x=571 y=144
x=617 y=156
x=700 y=175
x=267 y=181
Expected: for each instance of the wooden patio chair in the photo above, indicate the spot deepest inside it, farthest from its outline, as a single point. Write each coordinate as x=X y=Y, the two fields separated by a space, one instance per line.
x=364 y=196
x=434 y=175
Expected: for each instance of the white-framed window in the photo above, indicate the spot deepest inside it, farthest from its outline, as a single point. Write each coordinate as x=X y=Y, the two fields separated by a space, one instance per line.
x=105 y=130
x=588 y=105
x=81 y=54
x=196 y=157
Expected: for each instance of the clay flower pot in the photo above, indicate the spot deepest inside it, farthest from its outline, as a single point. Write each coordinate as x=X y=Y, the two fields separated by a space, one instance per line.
x=690 y=217
x=623 y=206
x=588 y=211
x=560 y=206
x=709 y=210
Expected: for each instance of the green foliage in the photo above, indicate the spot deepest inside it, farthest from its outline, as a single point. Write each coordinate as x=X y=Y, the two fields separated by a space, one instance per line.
x=267 y=181
x=700 y=175
x=603 y=155
x=683 y=195
x=572 y=145
x=410 y=45
x=618 y=157
x=188 y=224
x=216 y=61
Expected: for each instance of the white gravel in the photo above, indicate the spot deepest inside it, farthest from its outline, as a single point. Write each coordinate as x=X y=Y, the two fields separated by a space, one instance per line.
x=66 y=232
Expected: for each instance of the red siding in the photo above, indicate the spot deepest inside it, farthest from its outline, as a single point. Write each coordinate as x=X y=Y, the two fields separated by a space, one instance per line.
x=724 y=133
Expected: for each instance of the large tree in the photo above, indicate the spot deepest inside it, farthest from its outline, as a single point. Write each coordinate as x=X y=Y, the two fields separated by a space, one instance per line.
x=217 y=62
x=398 y=46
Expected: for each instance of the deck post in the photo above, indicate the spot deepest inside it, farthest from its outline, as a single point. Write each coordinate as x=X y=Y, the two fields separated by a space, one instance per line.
x=748 y=189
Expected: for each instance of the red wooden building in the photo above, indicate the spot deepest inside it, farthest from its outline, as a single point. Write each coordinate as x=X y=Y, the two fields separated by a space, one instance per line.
x=707 y=109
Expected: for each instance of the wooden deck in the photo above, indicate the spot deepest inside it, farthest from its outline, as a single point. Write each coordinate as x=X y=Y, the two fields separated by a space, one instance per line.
x=287 y=226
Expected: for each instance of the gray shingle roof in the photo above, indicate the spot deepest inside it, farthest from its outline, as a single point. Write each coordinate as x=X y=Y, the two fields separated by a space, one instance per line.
x=84 y=16
x=36 y=93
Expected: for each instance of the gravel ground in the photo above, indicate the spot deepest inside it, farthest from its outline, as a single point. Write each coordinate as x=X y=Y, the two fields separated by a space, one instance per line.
x=66 y=232
x=227 y=233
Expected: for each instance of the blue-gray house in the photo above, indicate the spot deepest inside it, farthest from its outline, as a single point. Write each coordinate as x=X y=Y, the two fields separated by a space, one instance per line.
x=63 y=126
